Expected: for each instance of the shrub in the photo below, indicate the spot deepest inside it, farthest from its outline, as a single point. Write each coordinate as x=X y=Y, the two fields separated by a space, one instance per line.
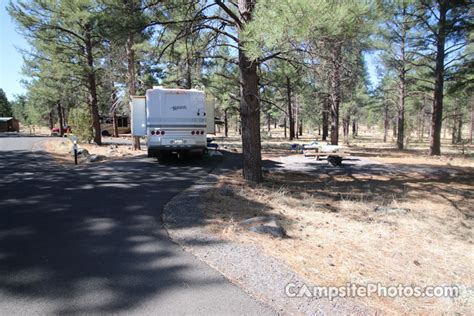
x=81 y=123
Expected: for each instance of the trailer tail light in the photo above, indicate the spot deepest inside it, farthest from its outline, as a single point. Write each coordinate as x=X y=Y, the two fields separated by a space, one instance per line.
x=162 y=132
x=202 y=132
x=192 y=133
x=152 y=133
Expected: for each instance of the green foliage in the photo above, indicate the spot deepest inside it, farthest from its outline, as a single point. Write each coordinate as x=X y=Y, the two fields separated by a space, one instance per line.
x=193 y=44
x=280 y=24
x=5 y=106
x=19 y=107
x=81 y=123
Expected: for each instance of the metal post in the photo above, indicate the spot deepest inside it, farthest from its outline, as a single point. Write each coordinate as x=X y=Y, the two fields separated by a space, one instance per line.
x=74 y=147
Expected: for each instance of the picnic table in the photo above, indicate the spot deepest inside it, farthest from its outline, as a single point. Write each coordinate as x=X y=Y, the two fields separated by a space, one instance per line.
x=333 y=153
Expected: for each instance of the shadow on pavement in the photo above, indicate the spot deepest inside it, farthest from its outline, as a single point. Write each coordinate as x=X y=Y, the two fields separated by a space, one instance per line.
x=88 y=238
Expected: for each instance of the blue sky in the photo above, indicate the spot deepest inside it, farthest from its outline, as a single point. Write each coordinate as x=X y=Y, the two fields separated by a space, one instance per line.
x=371 y=61
x=11 y=60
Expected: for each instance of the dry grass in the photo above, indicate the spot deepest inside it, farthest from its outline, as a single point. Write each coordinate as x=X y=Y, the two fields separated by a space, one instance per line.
x=336 y=237
x=34 y=130
x=61 y=150
x=415 y=153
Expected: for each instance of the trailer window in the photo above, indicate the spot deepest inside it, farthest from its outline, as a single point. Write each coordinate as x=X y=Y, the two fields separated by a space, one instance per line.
x=122 y=122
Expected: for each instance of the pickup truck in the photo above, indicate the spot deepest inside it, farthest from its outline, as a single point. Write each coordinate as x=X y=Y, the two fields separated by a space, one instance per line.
x=56 y=132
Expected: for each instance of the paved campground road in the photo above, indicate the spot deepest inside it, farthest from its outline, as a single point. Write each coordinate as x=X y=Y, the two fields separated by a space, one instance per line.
x=89 y=239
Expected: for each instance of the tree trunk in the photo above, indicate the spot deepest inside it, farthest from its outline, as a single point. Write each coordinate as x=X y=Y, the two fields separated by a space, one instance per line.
x=269 y=123
x=249 y=103
x=249 y=116
x=402 y=84
x=335 y=91
x=296 y=121
x=115 y=123
x=64 y=114
x=325 y=119
x=51 y=121
x=436 y=118
x=401 y=125
x=354 y=129
x=226 y=123
x=420 y=125
x=60 y=117
x=345 y=127
x=291 y=122
x=113 y=99
x=189 y=79
x=454 y=131
x=92 y=88
x=131 y=67
x=385 y=123
x=459 y=129
x=471 y=132
x=131 y=73
x=284 y=127
x=301 y=127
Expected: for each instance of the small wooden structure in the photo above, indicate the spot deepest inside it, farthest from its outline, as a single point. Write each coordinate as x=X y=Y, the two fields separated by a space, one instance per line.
x=9 y=124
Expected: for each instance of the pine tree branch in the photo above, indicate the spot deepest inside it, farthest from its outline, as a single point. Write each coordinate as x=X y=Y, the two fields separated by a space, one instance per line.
x=455 y=47
x=461 y=57
x=59 y=28
x=273 y=104
x=219 y=31
x=229 y=12
x=233 y=61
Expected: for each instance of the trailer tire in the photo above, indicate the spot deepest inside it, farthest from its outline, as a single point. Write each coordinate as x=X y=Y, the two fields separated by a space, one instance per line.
x=202 y=154
x=162 y=157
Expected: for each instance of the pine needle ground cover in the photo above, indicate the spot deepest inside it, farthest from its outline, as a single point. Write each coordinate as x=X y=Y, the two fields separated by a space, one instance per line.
x=391 y=226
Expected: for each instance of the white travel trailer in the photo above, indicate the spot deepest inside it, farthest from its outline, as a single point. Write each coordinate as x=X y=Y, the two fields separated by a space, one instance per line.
x=173 y=121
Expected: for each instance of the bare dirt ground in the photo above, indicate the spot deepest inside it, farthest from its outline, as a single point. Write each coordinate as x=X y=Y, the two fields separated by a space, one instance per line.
x=369 y=144
x=113 y=148
x=60 y=148
x=416 y=152
x=387 y=216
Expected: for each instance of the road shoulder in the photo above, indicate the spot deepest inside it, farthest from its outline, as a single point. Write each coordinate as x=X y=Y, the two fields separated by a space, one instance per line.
x=261 y=276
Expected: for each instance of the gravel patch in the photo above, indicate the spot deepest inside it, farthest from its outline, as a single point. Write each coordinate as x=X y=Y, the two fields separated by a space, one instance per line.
x=261 y=276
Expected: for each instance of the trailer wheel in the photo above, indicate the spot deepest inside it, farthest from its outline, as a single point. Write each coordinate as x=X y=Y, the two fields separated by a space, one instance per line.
x=160 y=158
x=335 y=160
x=163 y=157
x=202 y=154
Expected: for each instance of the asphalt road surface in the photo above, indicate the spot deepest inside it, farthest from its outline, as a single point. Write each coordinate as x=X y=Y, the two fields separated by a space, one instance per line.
x=88 y=240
